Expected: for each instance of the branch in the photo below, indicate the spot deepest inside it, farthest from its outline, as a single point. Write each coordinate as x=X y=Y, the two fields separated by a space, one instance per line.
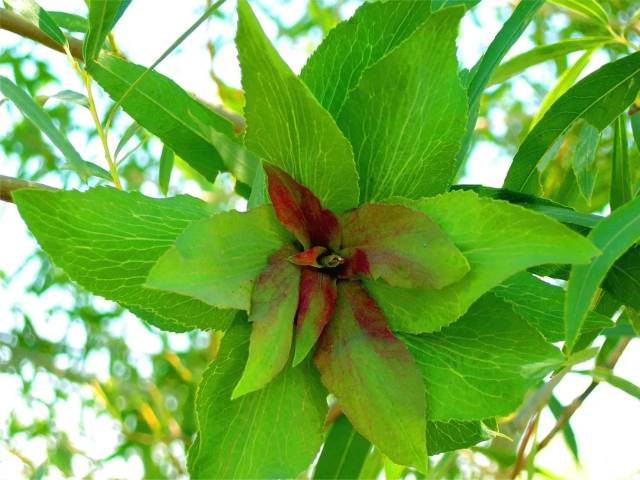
x=15 y=23
x=8 y=185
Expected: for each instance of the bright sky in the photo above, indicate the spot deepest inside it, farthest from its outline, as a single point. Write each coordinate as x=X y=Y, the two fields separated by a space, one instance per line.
x=607 y=426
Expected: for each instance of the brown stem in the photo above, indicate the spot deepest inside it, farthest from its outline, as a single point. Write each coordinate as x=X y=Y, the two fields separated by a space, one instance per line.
x=15 y=23
x=8 y=185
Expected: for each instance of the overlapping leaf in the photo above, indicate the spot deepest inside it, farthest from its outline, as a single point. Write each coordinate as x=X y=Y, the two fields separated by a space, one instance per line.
x=103 y=15
x=286 y=125
x=497 y=238
x=482 y=365
x=107 y=241
x=406 y=117
x=273 y=433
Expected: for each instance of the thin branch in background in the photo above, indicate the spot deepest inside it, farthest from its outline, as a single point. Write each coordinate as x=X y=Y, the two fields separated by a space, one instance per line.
x=8 y=185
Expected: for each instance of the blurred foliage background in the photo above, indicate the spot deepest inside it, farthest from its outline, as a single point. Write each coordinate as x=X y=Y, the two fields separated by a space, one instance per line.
x=74 y=368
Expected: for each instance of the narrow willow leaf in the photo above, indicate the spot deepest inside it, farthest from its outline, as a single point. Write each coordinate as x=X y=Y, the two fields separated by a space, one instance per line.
x=70 y=21
x=544 y=53
x=482 y=365
x=133 y=129
x=582 y=158
x=374 y=378
x=623 y=280
x=103 y=15
x=621 y=184
x=604 y=375
x=482 y=71
x=587 y=8
x=344 y=452
x=273 y=309
x=39 y=117
x=69 y=96
x=175 y=117
x=351 y=47
x=598 y=98
x=497 y=238
x=567 y=431
x=565 y=81
x=635 y=128
x=273 y=433
x=417 y=134
x=107 y=241
x=614 y=235
x=453 y=435
x=166 y=167
x=216 y=260
x=541 y=305
x=38 y=16
x=286 y=126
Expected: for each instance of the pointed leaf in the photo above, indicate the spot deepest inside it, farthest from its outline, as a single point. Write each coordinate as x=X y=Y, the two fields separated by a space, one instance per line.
x=582 y=158
x=273 y=308
x=621 y=184
x=286 y=126
x=374 y=378
x=352 y=46
x=406 y=143
x=343 y=453
x=107 y=241
x=614 y=235
x=454 y=435
x=273 y=433
x=103 y=16
x=216 y=260
x=315 y=307
x=482 y=365
x=598 y=98
x=402 y=246
x=166 y=166
x=300 y=211
x=38 y=16
x=587 y=8
x=497 y=238
x=197 y=134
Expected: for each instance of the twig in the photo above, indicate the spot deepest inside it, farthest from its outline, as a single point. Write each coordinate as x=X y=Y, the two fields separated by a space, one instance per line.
x=8 y=185
x=526 y=436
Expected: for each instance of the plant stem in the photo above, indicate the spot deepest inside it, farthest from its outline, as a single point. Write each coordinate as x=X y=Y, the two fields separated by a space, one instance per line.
x=8 y=185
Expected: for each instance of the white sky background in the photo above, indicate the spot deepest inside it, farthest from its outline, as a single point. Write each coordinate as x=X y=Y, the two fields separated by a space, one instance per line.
x=607 y=426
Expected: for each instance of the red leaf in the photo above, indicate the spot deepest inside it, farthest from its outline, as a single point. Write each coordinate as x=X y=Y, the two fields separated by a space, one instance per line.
x=315 y=307
x=402 y=246
x=374 y=377
x=300 y=211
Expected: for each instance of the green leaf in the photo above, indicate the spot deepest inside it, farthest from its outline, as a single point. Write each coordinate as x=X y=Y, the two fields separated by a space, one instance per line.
x=166 y=167
x=406 y=143
x=483 y=365
x=565 y=81
x=635 y=128
x=66 y=96
x=497 y=238
x=353 y=46
x=614 y=235
x=542 y=306
x=175 y=117
x=587 y=8
x=374 y=378
x=582 y=158
x=567 y=432
x=70 y=21
x=454 y=435
x=344 y=452
x=623 y=280
x=621 y=184
x=273 y=433
x=273 y=310
x=107 y=241
x=403 y=247
x=38 y=16
x=598 y=98
x=440 y=4
x=39 y=117
x=544 y=53
x=103 y=16
x=286 y=126
x=216 y=260
x=604 y=375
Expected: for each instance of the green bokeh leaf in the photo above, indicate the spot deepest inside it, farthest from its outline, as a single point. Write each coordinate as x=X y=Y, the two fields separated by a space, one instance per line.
x=497 y=238
x=273 y=433
x=598 y=98
x=483 y=365
x=107 y=241
x=613 y=235
x=286 y=126
x=406 y=142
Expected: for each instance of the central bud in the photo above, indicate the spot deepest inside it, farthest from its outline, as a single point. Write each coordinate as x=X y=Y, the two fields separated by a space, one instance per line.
x=318 y=257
